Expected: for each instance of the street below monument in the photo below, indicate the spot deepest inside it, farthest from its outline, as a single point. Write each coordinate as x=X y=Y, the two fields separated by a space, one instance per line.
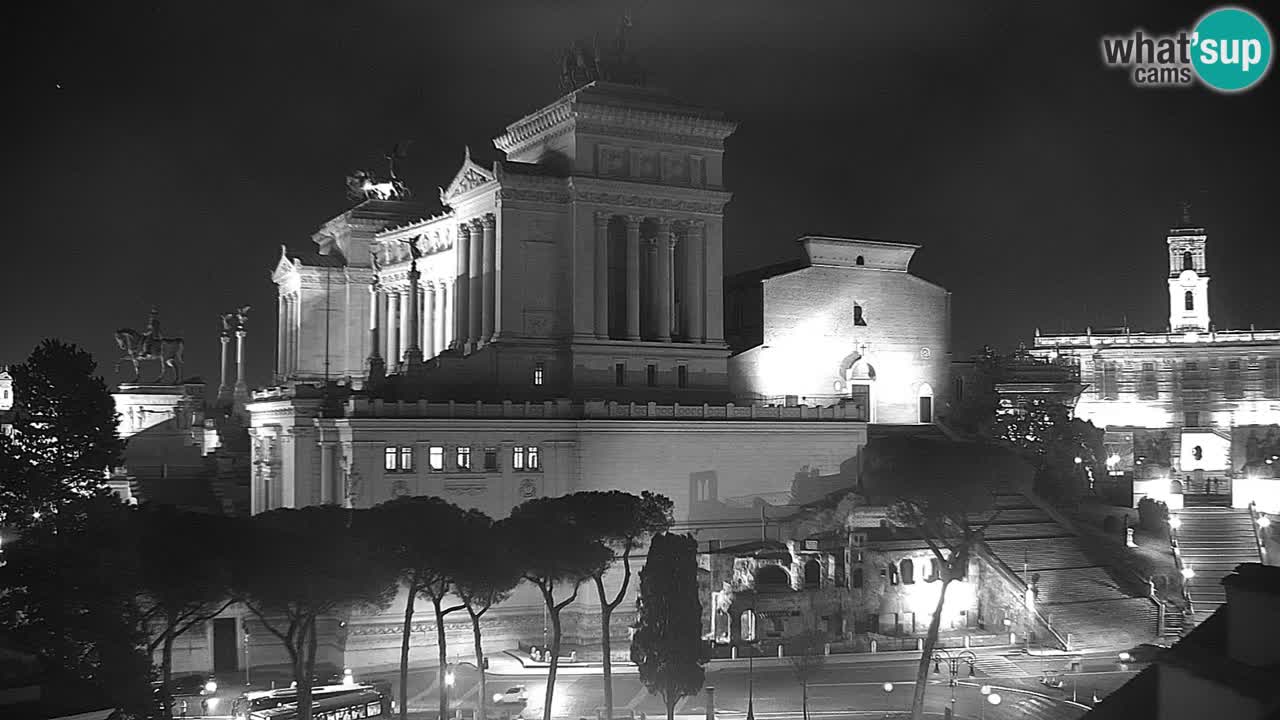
x=843 y=686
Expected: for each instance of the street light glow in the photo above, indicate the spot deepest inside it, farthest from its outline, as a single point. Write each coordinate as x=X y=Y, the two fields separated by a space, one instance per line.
x=994 y=698
x=1175 y=522
x=1264 y=521
x=1188 y=572
x=888 y=687
x=985 y=689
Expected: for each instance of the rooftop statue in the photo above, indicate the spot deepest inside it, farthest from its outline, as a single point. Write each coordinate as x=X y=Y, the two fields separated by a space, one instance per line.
x=136 y=347
x=235 y=321
x=364 y=185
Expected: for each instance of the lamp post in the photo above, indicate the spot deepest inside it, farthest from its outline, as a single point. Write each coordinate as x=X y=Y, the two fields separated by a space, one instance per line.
x=954 y=662
x=246 y=658
x=888 y=698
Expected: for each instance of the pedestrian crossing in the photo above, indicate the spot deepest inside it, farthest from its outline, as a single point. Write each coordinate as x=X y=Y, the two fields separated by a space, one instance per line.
x=996 y=666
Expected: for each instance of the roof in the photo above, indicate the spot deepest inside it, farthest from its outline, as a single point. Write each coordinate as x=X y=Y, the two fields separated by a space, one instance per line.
x=318 y=260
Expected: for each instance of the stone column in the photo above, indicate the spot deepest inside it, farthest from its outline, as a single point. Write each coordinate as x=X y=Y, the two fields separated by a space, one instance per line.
x=665 y=244
x=282 y=337
x=489 y=279
x=412 y=320
x=714 y=282
x=377 y=366
x=242 y=388
x=292 y=340
x=444 y=328
x=327 y=484
x=223 y=390
x=393 y=327
x=429 y=317
x=462 y=291
x=692 y=308
x=475 y=285
x=633 y=277
x=602 y=274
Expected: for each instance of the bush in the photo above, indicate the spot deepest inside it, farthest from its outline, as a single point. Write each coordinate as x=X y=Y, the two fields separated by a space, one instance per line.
x=1152 y=514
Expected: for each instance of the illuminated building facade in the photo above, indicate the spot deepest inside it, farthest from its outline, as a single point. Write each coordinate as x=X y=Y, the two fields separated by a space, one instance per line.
x=849 y=325
x=1193 y=408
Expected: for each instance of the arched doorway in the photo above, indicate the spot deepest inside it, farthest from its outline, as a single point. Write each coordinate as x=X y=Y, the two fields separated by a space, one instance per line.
x=771 y=578
x=812 y=575
x=925 y=402
x=860 y=379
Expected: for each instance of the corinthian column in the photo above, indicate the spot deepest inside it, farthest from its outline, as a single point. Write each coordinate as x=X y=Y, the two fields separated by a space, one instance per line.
x=694 y=294
x=282 y=339
x=475 y=284
x=429 y=314
x=393 y=328
x=489 y=280
x=412 y=321
x=633 y=277
x=242 y=388
x=462 y=292
x=223 y=390
x=602 y=275
x=665 y=243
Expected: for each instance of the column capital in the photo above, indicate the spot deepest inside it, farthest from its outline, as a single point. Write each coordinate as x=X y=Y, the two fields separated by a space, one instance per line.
x=633 y=221
x=477 y=225
x=489 y=221
x=602 y=218
x=664 y=224
x=697 y=224
x=464 y=228
x=241 y=333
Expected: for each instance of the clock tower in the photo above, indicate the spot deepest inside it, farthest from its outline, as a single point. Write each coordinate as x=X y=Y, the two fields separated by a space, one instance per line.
x=1188 y=280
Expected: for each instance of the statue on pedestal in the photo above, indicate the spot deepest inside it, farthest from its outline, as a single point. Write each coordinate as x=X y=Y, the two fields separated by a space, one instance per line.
x=150 y=345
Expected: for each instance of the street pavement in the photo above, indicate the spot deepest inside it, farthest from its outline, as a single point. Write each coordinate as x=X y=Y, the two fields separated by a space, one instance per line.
x=844 y=686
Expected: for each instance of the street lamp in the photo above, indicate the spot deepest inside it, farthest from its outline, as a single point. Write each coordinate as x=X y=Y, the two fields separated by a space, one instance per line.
x=888 y=698
x=982 y=704
x=246 y=658
x=1188 y=572
x=953 y=661
x=1175 y=522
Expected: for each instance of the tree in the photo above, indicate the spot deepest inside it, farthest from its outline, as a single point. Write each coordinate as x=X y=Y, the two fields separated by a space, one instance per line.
x=318 y=561
x=64 y=435
x=944 y=490
x=808 y=655
x=70 y=598
x=421 y=536
x=185 y=578
x=621 y=521
x=485 y=577
x=551 y=548
x=667 y=646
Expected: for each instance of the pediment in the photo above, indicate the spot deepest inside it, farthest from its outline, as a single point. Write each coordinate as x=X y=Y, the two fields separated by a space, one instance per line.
x=284 y=266
x=469 y=177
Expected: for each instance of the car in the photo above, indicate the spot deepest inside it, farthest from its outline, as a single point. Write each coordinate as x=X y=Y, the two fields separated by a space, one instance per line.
x=1144 y=653
x=182 y=685
x=513 y=695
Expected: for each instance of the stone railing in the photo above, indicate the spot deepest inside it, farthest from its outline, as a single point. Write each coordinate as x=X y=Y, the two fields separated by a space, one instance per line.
x=1044 y=342
x=593 y=410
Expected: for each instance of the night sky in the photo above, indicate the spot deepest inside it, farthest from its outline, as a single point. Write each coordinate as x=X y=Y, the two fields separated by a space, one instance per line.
x=163 y=152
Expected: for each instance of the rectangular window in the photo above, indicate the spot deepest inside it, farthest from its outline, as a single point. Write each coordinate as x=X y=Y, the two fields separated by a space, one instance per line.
x=682 y=376
x=464 y=458
x=517 y=457
x=525 y=457
x=406 y=459
x=1232 y=386
x=651 y=375
x=389 y=456
x=1193 y=378
x=620 y=374
x=1271 y=378
x=490 y=458
x=531 y=455
x=1108 y=381
x=435 y=456
x=1148 y=387
x=538 y=369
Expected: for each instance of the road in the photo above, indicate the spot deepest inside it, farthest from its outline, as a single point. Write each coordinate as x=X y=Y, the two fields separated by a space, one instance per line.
x=837 y=688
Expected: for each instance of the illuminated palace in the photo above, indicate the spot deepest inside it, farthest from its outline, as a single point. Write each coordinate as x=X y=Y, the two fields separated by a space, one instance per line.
x=560 y=325
x=1194 y=408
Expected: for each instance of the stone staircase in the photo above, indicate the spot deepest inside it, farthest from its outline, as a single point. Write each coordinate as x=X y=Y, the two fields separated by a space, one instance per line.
x=1213 y=541
x=1077 y=594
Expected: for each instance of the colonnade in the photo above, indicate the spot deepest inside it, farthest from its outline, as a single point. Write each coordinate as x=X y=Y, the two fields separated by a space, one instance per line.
x=649 y=290
x=391 y=314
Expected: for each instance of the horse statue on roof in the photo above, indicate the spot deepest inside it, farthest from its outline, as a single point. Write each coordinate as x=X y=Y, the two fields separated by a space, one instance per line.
x=137 y=347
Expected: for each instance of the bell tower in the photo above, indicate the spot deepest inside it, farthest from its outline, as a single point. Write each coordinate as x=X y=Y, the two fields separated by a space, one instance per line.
x=1188 y=277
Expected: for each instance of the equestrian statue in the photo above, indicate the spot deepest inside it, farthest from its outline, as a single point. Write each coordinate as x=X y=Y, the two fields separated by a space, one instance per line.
x=150 y=345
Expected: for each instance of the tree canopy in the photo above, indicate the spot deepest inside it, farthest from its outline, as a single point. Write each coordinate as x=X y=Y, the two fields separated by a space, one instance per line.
x=667 y=647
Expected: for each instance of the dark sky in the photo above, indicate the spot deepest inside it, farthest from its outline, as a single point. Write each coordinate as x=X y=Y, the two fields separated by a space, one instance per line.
x=163 y=152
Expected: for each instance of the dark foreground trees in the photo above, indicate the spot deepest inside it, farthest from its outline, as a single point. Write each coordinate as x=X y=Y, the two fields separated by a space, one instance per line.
x=321 y=562
x=667 y=646
x=487 y=573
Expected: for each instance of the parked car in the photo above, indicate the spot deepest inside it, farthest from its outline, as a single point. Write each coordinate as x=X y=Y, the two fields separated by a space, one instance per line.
x=1144 y=653
x=513 y=695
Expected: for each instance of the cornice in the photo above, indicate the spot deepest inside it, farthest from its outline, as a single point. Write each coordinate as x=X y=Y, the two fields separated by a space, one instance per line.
x=553 y=197
x=674 y=139
x=529 y=128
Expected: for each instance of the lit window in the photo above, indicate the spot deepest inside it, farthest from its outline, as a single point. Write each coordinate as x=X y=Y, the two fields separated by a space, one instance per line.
x=620 y=374
x=517 y=458
x=538 y=369
x=682 y=376
x=651 y=375
x=436 y=458
x=406 y=459
x=531 y=454
x=464 y=458
x=490 y=458
x=389 y=459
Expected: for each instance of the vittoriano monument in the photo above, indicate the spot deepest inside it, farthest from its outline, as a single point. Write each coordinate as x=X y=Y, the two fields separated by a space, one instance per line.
x=137 y=347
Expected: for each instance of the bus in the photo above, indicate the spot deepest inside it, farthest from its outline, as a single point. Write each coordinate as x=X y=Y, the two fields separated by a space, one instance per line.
x=249 y=703
x=365 y=703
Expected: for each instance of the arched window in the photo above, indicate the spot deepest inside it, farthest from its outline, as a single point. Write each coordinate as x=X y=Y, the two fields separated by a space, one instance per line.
x=859 y=261
x=748 y=629
x=1188 y=261
x=1189 y=300
x=857 y=316
x=812 y=575
x=908 y=572
x=772 y=578
x=857 y=578
x=935 y=570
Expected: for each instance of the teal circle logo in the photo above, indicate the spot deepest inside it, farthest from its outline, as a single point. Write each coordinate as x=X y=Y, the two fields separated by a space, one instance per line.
x=1231 y=49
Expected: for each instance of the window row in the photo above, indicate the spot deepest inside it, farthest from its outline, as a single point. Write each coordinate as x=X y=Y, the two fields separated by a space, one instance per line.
x=904 y=573
x=400 y=458
x=1193 y=375
x=650 y=375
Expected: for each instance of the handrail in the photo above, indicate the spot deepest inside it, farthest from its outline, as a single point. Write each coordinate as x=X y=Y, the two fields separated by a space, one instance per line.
x=1257 y=531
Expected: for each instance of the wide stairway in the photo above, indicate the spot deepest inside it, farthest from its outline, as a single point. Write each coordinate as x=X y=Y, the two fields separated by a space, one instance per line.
x=1213 y=541
x=1076 y=594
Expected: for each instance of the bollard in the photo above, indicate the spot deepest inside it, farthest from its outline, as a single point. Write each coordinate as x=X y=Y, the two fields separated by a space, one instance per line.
x=919 y=644
x=873 y=646
x=1013 y=638
x=711 y=702
x=826 y=649
x=733 y=652
x=780 y=650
